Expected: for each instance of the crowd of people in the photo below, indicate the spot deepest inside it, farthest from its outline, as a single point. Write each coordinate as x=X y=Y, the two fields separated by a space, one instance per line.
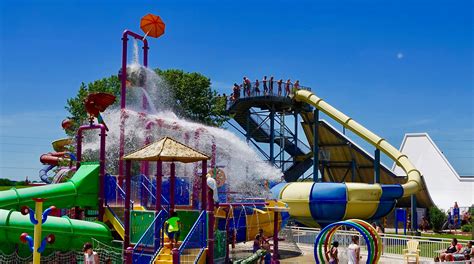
x=456 y=252
x=268 y=85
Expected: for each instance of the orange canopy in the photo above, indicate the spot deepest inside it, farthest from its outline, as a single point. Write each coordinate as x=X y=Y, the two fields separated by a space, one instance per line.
x=152 y=25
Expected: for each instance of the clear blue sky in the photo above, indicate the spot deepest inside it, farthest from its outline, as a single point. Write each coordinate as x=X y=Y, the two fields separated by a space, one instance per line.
x=395 y=66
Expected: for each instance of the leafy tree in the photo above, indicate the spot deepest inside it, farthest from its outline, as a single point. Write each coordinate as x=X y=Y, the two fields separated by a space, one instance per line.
x=75 y=105
x=437 y=218
x=195 y=100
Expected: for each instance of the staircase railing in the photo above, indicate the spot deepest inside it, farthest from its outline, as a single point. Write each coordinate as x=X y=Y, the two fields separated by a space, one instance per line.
x=196 y=239
x=115 y=216
x=266 y=127
x=148 y=241
x=114 y=194
x=147 y=191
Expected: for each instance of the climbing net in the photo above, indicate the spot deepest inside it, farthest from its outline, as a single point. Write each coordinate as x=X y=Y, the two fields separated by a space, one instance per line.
x=105 y=252
x=370 y=235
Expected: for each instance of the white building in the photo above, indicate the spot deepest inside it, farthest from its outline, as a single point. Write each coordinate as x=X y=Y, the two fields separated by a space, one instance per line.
x=444 y=184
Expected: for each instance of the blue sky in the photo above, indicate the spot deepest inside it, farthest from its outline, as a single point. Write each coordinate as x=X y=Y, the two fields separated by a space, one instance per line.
x=395 y=66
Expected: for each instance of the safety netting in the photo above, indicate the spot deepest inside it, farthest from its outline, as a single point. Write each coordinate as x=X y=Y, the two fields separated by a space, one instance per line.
x=107 y=254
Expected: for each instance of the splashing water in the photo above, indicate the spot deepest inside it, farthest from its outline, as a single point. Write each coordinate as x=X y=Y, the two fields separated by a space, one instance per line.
x=244 y=169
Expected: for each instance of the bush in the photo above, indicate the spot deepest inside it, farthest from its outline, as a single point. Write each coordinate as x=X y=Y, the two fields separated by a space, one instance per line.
x=437 y=218
x=6 y=182
x=466 y=228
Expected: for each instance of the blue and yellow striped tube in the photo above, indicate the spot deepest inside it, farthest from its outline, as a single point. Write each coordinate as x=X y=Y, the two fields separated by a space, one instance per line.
x=329 y=202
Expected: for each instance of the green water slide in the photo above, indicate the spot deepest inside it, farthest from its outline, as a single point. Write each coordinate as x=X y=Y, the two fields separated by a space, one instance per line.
x=81 y=190
x=70 y=234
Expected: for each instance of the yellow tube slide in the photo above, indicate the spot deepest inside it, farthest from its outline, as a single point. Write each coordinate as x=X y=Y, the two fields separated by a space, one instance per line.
x=413 y=184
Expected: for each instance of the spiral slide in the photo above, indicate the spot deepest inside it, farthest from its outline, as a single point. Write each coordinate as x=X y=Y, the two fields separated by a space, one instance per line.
x=81 y=190
x=329 y=202
x=53 y=159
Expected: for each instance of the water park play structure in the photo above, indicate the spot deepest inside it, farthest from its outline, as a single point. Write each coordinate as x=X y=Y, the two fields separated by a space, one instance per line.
x=368 y=232
x=133 y=209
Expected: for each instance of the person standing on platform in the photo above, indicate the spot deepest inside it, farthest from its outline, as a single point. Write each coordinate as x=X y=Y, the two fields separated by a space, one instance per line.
x=287 y=87
x=296 y=86
x=265 y=87
x=247 y=85
x=280 y=82
x=257 y=87
x=236 y=91
x=270 y=85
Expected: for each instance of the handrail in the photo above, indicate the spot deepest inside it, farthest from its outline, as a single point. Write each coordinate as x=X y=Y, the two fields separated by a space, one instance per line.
x=150 y=192
x=414 y=182
x=122 y=193
x=118 y=189
x=244 y=92
x=260 y=120
x=198 y=256
x=200 y=222
x=115 y=215
x=148 y=235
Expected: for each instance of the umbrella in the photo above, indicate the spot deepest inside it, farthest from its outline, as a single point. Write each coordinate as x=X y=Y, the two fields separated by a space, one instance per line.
x=152 y=26
x=96 y=103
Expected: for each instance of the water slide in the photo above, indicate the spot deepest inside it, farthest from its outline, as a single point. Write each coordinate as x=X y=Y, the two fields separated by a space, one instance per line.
x=81 y=190
x=329 y=202
x=70 y=234
x=53 y=159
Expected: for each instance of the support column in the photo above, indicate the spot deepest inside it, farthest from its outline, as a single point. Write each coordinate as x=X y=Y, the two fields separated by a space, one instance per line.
x=316 y=145
x=123 y=93
x=247 y=135
x=172 y=186
x=414 y=217
x=275 y=256
x=353 y=170
x=296 y=131
x=128 y=181
x=272 y=136
x=227 y=230
x=204 y=186
x=377 y=166
x=323 y=165
x=102 y=174
x=159 y=180
x=210 y=226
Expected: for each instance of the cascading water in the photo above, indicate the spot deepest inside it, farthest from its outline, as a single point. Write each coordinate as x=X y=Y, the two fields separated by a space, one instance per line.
x=244 y=169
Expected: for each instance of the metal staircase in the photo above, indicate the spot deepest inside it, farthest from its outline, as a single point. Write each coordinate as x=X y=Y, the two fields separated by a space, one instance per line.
x=255 y=116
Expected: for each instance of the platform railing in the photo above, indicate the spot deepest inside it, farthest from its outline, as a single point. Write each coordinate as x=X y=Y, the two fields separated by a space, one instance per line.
x=115 y=195
x=147 y=245
x=254 y=90
x=147 y=194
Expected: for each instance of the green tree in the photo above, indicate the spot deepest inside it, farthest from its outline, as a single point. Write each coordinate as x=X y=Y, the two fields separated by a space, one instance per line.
x=437 y=218
x=195 y=100
x=6 y=182
x=75 y=105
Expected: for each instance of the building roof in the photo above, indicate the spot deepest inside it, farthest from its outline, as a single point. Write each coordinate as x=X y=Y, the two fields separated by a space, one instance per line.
x=167 y=149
